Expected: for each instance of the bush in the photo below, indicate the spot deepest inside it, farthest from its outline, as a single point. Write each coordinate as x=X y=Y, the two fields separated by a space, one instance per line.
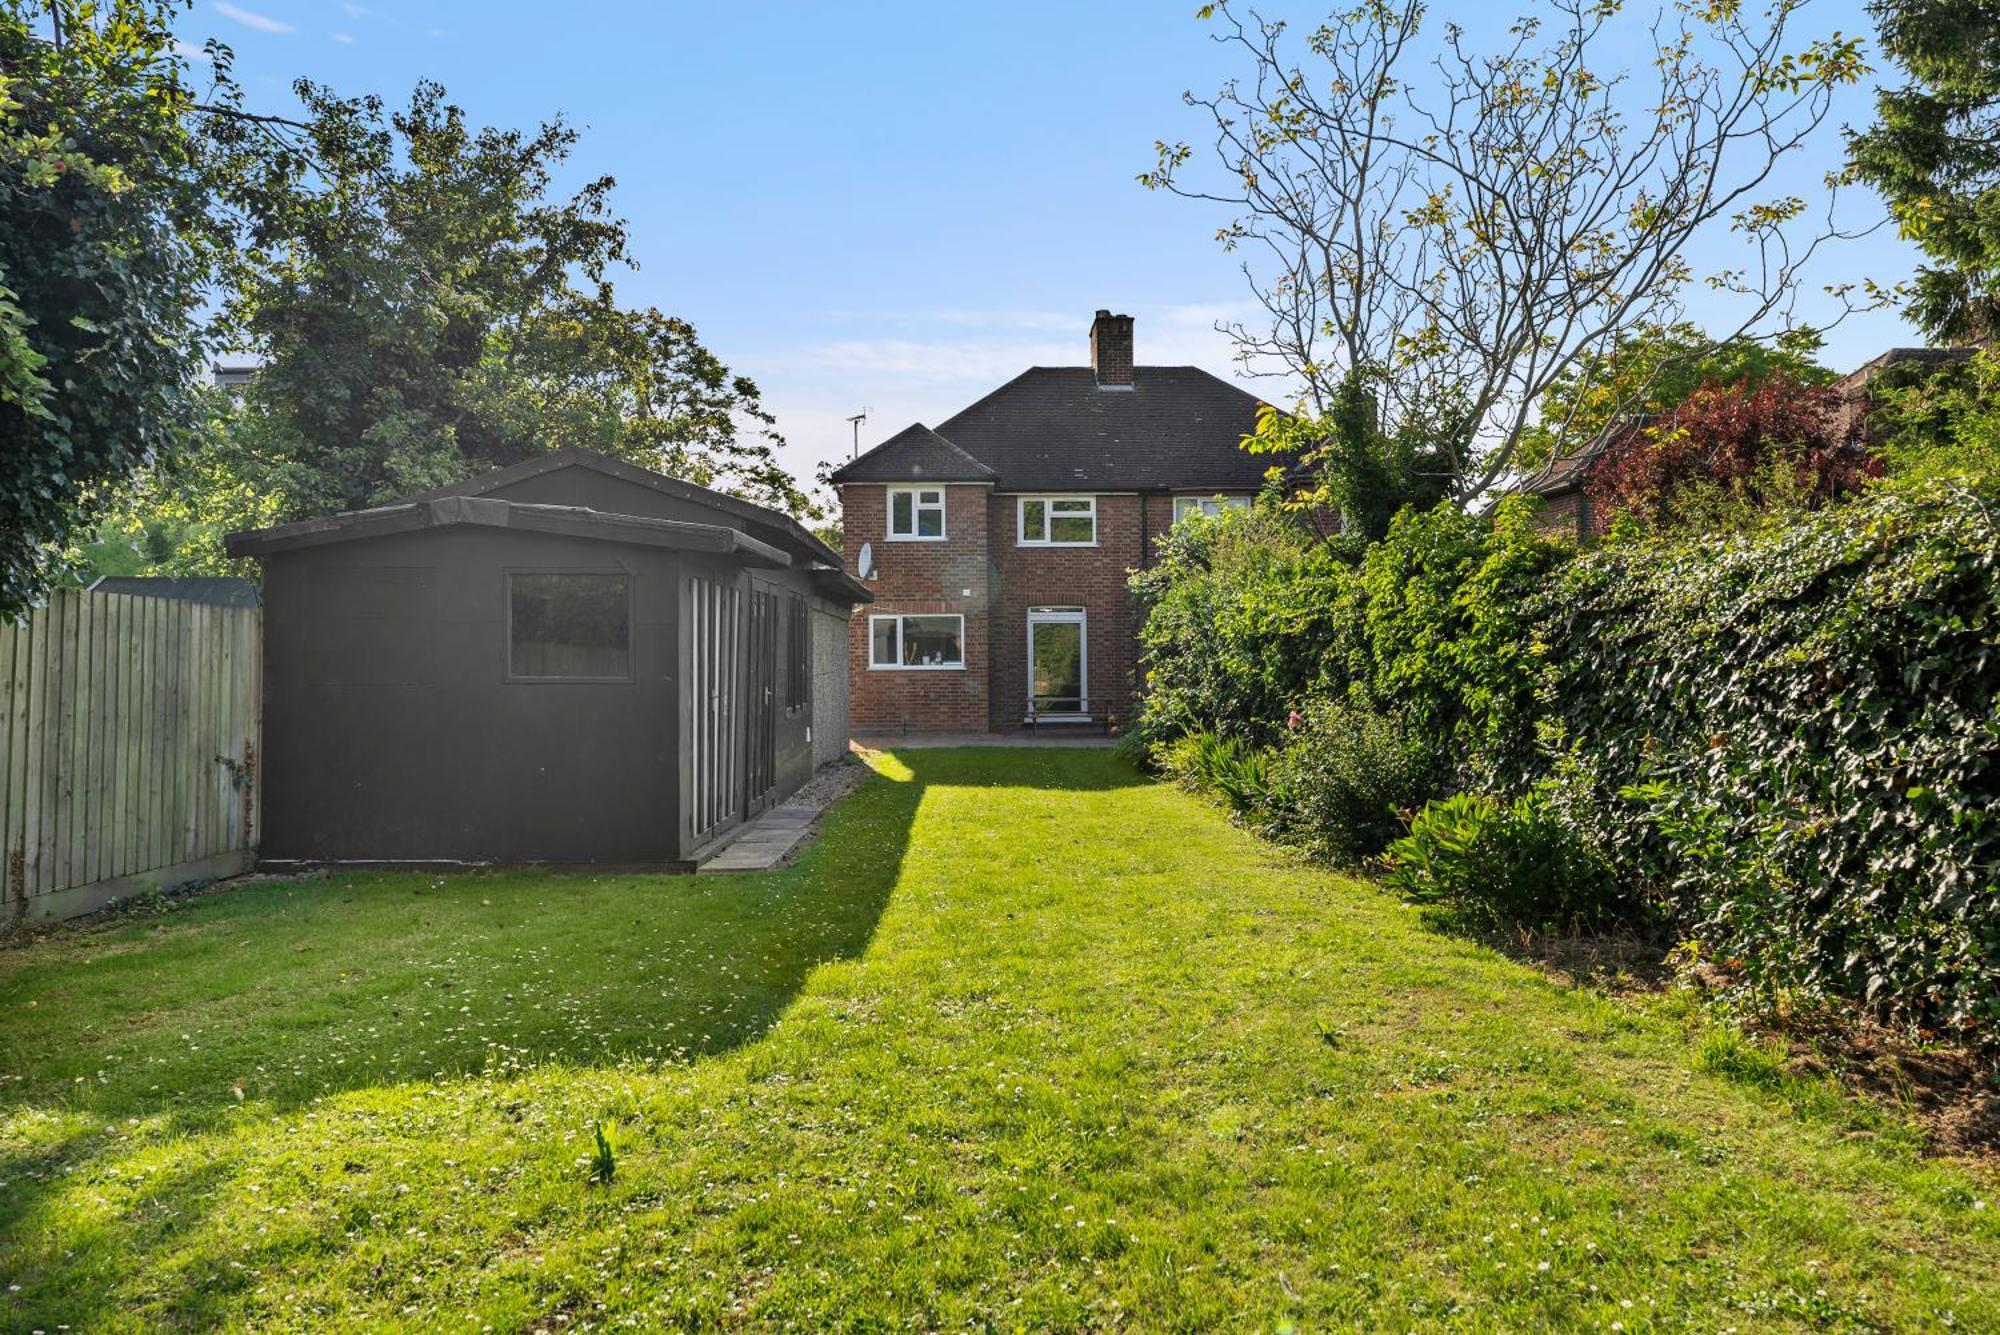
x=1805 y=722
x=1343 y=781
x=1494 y=862
x=1237 y=771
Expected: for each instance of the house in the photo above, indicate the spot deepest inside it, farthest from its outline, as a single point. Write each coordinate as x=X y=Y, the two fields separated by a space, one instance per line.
x=997 y=544
x=570 y=660
x=1563 y=483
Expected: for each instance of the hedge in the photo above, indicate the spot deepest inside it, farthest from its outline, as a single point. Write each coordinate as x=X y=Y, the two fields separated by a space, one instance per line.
x=1787 y=740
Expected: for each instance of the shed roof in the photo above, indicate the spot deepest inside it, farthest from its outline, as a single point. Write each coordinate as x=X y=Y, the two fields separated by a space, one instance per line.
x=446 y=511
x=772 y=526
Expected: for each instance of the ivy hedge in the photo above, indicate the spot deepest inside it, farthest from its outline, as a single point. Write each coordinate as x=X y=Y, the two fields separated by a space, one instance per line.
x=1784 y=743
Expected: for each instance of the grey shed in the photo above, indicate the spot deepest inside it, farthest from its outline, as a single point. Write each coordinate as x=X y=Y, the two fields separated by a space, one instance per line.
x=571 y=660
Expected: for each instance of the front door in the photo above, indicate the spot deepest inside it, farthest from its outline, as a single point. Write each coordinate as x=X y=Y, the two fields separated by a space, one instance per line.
x=1058 y=663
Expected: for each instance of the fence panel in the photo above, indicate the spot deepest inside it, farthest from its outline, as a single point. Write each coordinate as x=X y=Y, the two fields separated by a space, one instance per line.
x=128 y=749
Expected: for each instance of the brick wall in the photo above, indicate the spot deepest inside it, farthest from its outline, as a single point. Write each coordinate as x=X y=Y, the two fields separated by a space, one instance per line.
x=949 y=576
x=1092 y=578
x=1571 y=514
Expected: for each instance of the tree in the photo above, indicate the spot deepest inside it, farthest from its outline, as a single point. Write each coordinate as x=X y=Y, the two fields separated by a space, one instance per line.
x=431 y=311
x=1469 y=228
x=1934 y=154
x=1747 y=443
x=1655 y=371
x=1358 y=470
x=115 y=222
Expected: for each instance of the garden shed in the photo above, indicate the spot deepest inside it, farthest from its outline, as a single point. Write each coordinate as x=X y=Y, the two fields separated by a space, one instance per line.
x=569 y=660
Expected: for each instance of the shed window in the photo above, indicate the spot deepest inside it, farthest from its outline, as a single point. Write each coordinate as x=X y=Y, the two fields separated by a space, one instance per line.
x=798 y=681
x=1058 y=521
x=916 y=641
x=916 y=514
x=569 y=627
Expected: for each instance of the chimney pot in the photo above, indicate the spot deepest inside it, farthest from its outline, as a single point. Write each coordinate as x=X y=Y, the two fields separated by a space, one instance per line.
x=1111 y=350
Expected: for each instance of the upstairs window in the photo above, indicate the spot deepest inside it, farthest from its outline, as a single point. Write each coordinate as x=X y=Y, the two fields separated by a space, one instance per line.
x=1058 y=521
x=569 y=626
x=1207 y=505
x=916 y=514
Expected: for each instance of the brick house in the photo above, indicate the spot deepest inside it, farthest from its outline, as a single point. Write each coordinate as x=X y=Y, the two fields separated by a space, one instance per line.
x=998 y=544
x=1564 y=483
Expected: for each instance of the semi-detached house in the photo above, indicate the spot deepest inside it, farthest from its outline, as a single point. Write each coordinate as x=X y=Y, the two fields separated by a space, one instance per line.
x=997 y=545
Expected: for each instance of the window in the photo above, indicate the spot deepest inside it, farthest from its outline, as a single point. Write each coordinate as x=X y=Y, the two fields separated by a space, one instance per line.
x=569 y=626
x=1207 y=505
x=798 y=682
x=1058 y=521
x=916 y=642
x=916 y=514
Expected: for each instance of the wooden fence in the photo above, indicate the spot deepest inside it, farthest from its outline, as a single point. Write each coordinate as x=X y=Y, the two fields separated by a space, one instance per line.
x=128 y=761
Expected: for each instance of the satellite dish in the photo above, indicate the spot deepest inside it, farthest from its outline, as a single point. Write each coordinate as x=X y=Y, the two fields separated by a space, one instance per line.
x=866 y=565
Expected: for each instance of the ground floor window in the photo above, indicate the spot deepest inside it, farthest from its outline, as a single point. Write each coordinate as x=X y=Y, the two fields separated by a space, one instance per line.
x=899 y=641
x=1207 y=505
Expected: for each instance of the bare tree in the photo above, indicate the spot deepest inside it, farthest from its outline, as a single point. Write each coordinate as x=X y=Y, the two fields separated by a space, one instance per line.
x=1461 y=229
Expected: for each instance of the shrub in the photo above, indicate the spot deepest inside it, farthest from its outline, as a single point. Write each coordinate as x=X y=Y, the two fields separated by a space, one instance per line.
x=1235 y=770
x=1735 y=439
x=1806 y=720
x=1495 y=862
x=1343 y=780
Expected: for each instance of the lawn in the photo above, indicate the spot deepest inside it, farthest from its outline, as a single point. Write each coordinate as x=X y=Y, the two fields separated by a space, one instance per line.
x=1022 y=1041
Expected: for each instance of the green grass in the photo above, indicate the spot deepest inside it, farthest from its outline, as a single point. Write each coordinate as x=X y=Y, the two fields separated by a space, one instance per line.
x=1022 y=1041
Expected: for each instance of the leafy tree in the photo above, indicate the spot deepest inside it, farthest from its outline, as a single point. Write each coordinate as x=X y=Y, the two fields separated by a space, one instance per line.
x=1359 y=471
x=1753 y=442
x=1934 y=154
x=1655 y=371
x=115 y=220
x=1467 y=227
x=432 y=311
x=1939 y=421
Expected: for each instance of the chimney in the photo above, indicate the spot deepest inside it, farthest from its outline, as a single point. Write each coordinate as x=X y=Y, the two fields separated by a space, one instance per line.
x=1111 y=350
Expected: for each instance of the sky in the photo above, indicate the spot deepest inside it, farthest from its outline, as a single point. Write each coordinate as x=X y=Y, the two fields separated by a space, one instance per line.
x=889 y=207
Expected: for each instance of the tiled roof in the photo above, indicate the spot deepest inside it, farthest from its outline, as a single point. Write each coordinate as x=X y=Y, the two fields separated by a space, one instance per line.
x=915 y=454
x=1052 y=428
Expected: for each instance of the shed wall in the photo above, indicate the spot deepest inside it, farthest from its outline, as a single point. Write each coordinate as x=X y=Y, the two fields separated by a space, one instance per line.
x=393 y=733
x=829 y=694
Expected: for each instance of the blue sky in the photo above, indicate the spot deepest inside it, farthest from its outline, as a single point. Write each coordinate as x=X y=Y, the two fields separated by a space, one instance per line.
x=893 y=206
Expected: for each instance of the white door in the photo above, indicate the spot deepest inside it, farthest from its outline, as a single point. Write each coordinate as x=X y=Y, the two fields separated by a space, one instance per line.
x=1058 y=663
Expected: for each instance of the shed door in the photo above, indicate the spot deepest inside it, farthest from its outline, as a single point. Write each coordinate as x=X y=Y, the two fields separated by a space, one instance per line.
x=761 y=738
x=711 y=738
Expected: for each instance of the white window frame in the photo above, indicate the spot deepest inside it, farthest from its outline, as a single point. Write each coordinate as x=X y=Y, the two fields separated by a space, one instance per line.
x=917 y=507
x=1021 y=538
x=1191 y=504
x=1061 y=616
x=899 y=665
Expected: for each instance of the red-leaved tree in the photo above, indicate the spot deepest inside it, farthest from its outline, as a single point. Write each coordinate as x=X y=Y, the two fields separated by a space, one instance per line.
x=1739 y=440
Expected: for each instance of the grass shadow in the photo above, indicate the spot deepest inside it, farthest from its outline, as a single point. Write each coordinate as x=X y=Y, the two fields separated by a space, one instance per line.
x=275 y=993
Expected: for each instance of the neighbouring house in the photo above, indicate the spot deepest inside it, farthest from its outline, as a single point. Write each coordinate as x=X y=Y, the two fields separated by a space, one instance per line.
x=1563 y=484
x=997 y=544
x=570 y=660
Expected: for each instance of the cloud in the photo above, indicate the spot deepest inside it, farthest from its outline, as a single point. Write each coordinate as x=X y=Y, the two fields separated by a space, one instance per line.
x=189 y=51
x=934 y=360
x=250 y=18
x=353 y=11
x=344 y=38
